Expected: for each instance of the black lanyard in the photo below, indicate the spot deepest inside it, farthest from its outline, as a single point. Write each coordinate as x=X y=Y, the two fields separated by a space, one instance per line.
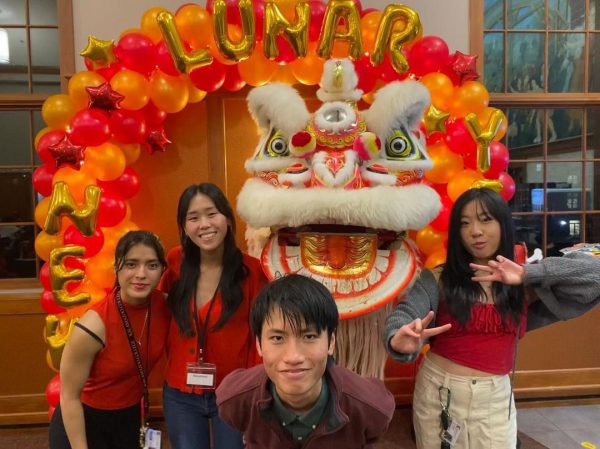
x=137 y=358
x=202 y=335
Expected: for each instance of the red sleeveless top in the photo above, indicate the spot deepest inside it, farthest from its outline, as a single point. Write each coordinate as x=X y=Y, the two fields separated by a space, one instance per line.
x=484 y=343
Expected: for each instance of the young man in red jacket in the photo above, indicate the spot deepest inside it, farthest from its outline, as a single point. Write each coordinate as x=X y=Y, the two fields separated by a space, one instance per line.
x=298 y=397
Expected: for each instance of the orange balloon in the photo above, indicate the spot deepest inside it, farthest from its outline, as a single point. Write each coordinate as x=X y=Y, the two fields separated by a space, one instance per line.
x=149 y=24
x=441 y=89
x=194 y=25
x=341 y=49
x=133 y=86
x=44 y=243
x=131 y=151
x=168 y=93
x=41 y=212
x=308 y=70
x=79 y=82
x=77 y=180
x=105 y=162
x=446 y=163
x=284 y=75
x=472 y=96
x=435 y=259
x=462 y=182
x=257 y=69
x=429 y=240
x=58 y=110
x=195 y=95
x=96 y=293
x=484 y=117
x=369 y=24
x=100 y=270
x=235 y=35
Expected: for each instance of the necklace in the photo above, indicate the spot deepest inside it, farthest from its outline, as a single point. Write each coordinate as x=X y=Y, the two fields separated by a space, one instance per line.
x=139 y=342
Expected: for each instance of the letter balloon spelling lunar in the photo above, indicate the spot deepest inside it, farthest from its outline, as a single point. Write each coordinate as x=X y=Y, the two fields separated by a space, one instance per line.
x=339 y=189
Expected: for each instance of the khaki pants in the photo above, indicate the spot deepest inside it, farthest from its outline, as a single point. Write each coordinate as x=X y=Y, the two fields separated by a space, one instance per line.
x=479 y=403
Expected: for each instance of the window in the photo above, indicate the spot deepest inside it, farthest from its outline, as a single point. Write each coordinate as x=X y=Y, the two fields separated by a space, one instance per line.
x=540 y=60
x=36 y=58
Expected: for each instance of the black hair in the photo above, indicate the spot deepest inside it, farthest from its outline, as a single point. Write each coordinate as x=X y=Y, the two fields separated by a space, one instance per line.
x=234 y=271
x=133 y=238
x=301 y=300
x=460 y=292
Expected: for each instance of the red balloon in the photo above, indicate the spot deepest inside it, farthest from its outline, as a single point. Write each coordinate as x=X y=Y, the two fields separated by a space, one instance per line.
x=154 y=116
x=91 y=244
x=259 y=18
x=458 y=138
x=125 y=186
x=48 y=303
x=128 y=126
x=508 y=186
x=47 y=140
x=387 y=71
x=164 y=60
x=108 y=72
x=428 y=55
x=112 y=210
x=136 y=52
x=89 y=127
x=233 y=11
x=286 y=53
x=51 y=412
x=53 y=391
x=443 y=219
x=210 y=77
x=499 y=158
x=317 y=12
x=42 y=179
x=233 y=80
x=367 y=74
x=45 y=276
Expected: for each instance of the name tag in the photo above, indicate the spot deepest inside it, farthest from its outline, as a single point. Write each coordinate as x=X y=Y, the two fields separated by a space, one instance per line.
x=201 y=375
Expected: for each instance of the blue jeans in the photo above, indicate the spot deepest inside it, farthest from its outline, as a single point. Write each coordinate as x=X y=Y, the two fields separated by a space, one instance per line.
x=188 y=417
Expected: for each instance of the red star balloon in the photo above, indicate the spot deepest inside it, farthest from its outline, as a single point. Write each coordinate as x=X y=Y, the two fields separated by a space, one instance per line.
x=67 y=153
x=104 y=97
x=157 y=141
x=464 y=66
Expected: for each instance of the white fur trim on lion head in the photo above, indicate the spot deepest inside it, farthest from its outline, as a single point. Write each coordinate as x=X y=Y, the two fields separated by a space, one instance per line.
x=339 y=81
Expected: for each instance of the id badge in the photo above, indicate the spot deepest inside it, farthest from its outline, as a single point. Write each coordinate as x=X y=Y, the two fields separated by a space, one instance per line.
x=450 y=435
x=152 y=440
x=201 y=375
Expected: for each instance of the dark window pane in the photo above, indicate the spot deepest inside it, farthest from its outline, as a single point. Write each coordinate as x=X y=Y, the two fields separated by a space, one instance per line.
x=494 y=14
x=14 y=74
x=529 y=180
x=525 y=58
x=15 y=147
x=494 y=62
x=17 y=206
x=527 y=15
x=594 y=22
x=529 y=229
x=592 y=228
x=594 y=63
x=565 y=65
x=17 y=254
x=564 y=186
x=525 y=133
x=592 y=178
x=45 y=60
x=563 y=231
x=12 y=12
x=566 y=14
x=593 y=134
x=42 y=12
x=564 y=133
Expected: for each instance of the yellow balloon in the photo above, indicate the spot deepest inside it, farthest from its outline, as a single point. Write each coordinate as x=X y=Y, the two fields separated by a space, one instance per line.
x=105 y=162
x=462 y=182
x=133 y=86
x=77 y=180
x=257 y=70
x=79 y=82
x=446 y=163
x=131 y=151
x=296 y=33
x=436 y=258
x=58 y=110
x=45 y=243
x=337 y=9
x=234 y=51
x=429 y=240
x=195 y=95
x=168 y=93
x=194 y=25
x=149 y=24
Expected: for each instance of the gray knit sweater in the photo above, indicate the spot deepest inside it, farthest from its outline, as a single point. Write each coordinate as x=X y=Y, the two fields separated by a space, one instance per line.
x=567 y=287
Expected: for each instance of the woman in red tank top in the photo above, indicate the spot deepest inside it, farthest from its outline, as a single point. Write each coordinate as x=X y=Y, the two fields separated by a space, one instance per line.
x=110 y=352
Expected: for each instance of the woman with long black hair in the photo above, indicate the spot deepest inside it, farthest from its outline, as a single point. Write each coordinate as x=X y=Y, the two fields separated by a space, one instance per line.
x=211 y=285
x=483 y=302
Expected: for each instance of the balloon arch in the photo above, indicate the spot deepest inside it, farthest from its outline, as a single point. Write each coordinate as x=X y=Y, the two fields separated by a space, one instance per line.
x=116 y=108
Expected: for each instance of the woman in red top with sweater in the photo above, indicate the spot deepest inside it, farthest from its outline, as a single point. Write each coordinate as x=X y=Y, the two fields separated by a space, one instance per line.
x=211 y=286
x=101 y=387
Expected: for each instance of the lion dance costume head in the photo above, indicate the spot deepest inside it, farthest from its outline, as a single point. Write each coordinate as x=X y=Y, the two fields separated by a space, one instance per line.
x=338 y=189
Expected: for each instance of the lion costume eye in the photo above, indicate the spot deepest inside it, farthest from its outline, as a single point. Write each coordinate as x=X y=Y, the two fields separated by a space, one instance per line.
x=277 y=146
x=399 y=146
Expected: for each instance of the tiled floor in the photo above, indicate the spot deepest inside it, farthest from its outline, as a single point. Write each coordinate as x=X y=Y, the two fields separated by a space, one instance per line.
x=552 y=428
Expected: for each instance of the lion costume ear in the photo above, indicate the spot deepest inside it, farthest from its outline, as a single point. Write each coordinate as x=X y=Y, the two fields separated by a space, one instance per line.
x=398 y=104
x=278 y=106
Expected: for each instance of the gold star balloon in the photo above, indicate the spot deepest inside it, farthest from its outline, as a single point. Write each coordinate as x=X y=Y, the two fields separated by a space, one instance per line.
x=100 y=52
x=435 y=120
